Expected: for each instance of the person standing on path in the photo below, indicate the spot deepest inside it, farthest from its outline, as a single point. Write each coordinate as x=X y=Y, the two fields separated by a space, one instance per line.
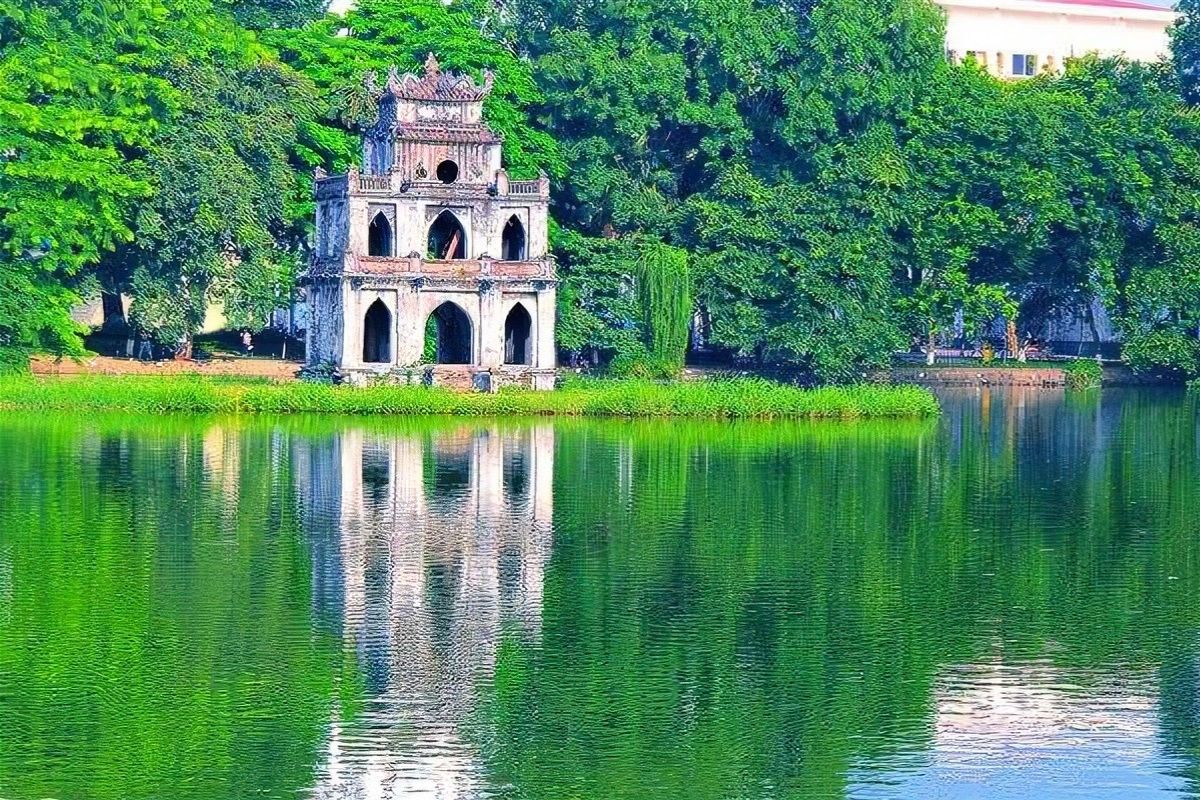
x=247 y=344
x=145 y=348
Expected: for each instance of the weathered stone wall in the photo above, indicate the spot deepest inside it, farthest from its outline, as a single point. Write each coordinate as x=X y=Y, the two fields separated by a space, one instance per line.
x=460 y=377
x=979 y=376
x=1114 y=375
x=325 y=322
x=482 y=217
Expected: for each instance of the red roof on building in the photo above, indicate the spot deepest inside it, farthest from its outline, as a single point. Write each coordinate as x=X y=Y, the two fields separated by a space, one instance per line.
x=1113 y=4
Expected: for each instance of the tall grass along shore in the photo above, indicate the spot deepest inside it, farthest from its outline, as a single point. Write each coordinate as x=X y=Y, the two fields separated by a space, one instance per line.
x=745 y=398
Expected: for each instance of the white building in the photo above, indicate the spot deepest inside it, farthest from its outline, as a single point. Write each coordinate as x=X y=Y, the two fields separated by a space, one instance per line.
x=433 y=239
x=1018 y=38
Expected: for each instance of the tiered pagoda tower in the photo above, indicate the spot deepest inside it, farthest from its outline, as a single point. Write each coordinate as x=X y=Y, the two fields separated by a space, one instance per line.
x=432 y=236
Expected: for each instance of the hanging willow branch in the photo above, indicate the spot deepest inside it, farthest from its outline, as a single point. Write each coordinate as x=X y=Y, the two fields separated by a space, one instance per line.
x=665 y=295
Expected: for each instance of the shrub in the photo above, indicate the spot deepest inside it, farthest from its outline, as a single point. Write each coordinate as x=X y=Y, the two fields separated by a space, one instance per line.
x=1176 y=352
x=640 y=364
x=1083 y=374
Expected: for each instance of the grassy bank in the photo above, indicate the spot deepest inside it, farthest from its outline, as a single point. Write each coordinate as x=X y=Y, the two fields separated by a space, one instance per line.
x=624 y=398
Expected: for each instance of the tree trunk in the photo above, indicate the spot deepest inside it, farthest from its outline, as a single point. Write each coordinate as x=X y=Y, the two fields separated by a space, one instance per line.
x=1010 y=340
x=1091 y=321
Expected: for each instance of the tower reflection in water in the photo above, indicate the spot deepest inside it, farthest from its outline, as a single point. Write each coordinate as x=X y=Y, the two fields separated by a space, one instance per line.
x=425 y=548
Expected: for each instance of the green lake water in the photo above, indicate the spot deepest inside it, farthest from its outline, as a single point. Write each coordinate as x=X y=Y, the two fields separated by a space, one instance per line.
x=1001 y=603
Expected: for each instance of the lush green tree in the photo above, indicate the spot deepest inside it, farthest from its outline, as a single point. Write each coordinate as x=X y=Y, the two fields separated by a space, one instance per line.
x=1140 y=207
x=264 y=14
x=73 y=106
x=1185 y=49
x=838 y=187
x=227 y=220
x=146 y=150
x=337 y=53
x=664 y=285
x=1053 y=193
x=597 y=298
x=762 y=139
x=985 y=187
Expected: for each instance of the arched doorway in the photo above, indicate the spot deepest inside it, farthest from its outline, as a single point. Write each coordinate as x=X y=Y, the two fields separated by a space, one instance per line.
x=518 y=341
x=447 y=239
x=449 y=333
x=377 y=334
x=379 y=236
x=512 y=242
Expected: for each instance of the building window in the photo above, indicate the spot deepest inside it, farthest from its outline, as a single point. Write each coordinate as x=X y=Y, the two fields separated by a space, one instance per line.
x=512 y=240
x=448 y=335
x=379 y=236
x=518 y=327
x=377 y=334
x=447 y=239
x=1023 y=64
x=447 y=171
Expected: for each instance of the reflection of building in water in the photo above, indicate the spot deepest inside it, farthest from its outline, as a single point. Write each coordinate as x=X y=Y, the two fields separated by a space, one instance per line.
x=988 y=709
x=429 y=551
x=999 y=729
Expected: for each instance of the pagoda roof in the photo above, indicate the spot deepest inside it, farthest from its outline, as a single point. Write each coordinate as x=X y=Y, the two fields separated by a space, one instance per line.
x=437 y=85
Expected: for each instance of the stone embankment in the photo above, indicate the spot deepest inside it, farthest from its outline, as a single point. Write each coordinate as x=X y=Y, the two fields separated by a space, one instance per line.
x=1037 y=377
x=1041 y=377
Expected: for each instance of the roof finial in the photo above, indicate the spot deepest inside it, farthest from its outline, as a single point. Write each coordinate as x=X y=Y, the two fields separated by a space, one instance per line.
x=431 y=66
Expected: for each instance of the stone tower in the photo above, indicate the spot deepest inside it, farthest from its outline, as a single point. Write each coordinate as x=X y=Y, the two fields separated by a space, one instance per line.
x=432 y=237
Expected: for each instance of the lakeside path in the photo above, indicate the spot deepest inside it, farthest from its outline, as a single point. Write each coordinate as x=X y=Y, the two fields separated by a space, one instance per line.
x=270 y=368
x=713 y=399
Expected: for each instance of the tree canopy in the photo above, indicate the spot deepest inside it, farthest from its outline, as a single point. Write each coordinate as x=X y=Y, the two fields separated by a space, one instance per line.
x=835 y=185
x=73 y=105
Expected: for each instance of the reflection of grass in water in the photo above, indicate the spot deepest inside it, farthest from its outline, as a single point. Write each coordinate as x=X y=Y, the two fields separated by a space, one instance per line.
x=620 y=398
x=747 y=435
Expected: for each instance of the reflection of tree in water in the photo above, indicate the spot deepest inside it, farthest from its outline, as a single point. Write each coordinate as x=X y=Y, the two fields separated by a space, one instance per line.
x=159 y=642
x=730 y=610
x=1179 y=710
x=766 y=614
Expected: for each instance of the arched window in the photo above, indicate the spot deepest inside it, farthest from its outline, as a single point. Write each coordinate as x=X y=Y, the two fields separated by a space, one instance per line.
x=512 y=243
x=447 y=239
x=518 y=342
x=377 y=334
x=450 y=330
x=379 y=236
